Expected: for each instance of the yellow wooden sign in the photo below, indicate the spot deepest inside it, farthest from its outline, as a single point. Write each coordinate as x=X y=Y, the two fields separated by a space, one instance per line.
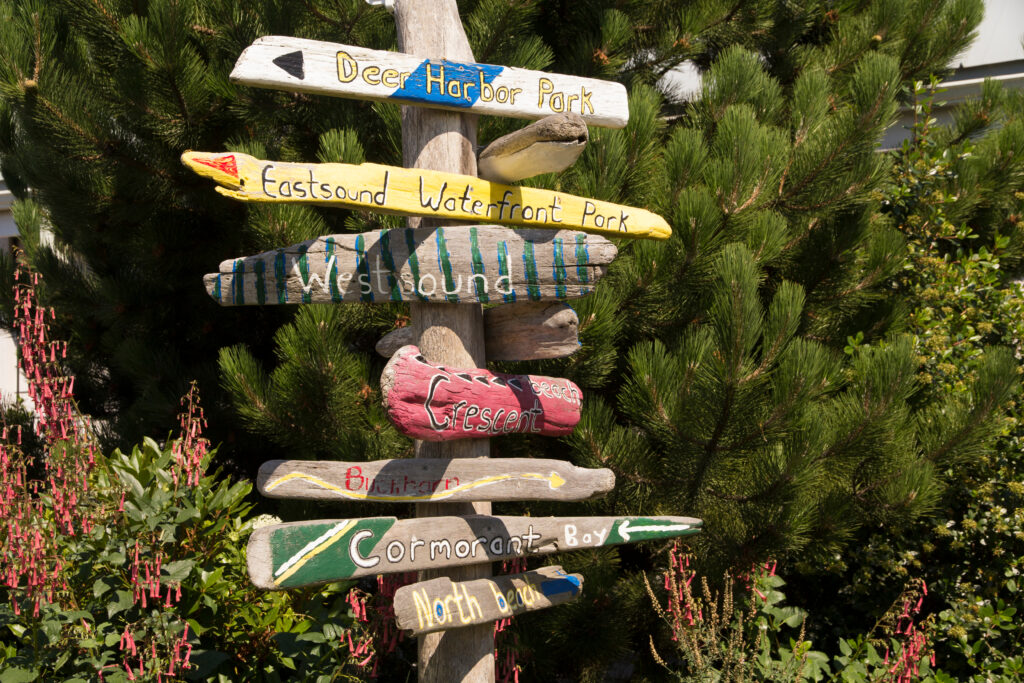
x=413 y=191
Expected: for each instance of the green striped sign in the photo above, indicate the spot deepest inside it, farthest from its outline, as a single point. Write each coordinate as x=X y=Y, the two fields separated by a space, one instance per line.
x=485 y=264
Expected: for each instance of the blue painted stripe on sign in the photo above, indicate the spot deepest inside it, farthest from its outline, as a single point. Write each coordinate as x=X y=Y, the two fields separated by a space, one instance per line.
x=569 y=584
x=452 y=84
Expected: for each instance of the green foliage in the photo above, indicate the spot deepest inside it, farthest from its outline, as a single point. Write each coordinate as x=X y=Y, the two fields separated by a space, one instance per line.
x=748 y=370
x=164 y=574
x=321 y=400
x=747 y=632
x=956 y=194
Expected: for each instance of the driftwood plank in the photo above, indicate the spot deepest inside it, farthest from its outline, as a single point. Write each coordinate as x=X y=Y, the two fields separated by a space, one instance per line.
x=433 y=480
x=520 y=331
x=485 y=263
x=547 y=146
x=441 y=604
x=312 y=552
x=300 y=65
x=432 y=403
x=414 y=191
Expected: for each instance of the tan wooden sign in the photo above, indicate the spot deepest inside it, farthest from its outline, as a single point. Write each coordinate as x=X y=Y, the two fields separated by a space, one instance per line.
x=547 y=146
x=422 y=480
x=520 y=331
x=465 y=264
x=419 y=192
x=441 y=604
x=296 y=64
x=313 y=552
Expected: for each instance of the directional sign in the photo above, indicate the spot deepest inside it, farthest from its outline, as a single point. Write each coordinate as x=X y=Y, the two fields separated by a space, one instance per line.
x=312 y=552
x=422 y=480
x=302 y=65
x=433 y=403
x=480 y=263
x=419 y=192
x=441 y=604
x=546 y=146
x=520 y=331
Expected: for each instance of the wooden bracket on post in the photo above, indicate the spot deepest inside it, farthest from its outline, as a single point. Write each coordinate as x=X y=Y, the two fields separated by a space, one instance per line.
x=452 y=335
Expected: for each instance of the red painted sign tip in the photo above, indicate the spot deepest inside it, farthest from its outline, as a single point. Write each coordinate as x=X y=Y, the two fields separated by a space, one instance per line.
x=224 y=164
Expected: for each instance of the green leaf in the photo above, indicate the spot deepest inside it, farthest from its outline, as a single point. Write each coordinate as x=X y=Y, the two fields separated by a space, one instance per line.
x=137 y=489
x=101 y=586
x=177 y=571
x=195 y=627
x=122 y=601
x=16 y=674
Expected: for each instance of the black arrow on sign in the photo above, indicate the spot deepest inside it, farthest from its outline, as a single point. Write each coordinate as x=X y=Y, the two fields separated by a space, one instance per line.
x=292 y=63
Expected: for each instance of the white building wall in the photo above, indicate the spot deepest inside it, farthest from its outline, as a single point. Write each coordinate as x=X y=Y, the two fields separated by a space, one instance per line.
x=12 y=380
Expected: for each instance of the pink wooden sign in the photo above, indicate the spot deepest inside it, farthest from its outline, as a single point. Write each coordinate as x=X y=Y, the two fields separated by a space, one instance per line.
x=434 y=403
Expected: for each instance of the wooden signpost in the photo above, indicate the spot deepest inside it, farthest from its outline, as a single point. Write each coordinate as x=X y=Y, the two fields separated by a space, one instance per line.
x=481 y=263
x=432 y=480
x=410 y=191
x=521 y=331
x=440 y=392
x=440 y=603
x=547 y=146
x=314 y=552
x=433 y=403
x=347 y=71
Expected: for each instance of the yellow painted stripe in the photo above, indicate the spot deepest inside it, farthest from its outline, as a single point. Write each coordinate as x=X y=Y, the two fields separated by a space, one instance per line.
x=356 y=495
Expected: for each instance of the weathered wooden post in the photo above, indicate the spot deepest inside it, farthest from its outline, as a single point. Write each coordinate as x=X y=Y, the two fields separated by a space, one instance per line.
x=436 y=387
x=448 y=335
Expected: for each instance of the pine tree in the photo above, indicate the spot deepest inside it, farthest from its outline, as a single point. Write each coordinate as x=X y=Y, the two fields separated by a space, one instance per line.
x=748 y=371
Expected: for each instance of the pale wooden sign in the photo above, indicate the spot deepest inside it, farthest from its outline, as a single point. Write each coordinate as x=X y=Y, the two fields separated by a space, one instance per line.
x=547 y=146
x=313 y=552
x=419 y=192
x=296 y=64
x=520 y=331
x=422 y=480
x=434 y=403
x=474 y=264
x=441 y=603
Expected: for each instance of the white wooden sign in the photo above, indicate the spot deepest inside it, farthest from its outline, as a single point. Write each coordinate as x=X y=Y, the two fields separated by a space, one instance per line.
x=301 y=65
x=433 y=480
x=441 y=603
